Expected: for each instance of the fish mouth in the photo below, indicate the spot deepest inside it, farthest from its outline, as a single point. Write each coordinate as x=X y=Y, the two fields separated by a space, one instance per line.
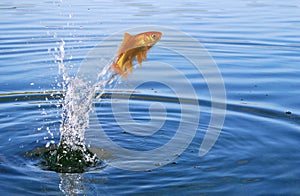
x=159 y=35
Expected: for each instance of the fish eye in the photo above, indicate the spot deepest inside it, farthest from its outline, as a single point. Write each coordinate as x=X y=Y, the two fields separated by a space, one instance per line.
x=153 y=36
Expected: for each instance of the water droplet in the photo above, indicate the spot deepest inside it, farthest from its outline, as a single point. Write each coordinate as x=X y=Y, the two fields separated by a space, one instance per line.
x=43 y=112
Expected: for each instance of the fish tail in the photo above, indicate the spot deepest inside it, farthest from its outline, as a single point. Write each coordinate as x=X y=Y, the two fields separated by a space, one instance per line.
x=116 y=68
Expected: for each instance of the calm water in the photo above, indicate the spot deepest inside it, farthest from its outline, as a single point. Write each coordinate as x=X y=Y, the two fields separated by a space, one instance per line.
x=256 y=47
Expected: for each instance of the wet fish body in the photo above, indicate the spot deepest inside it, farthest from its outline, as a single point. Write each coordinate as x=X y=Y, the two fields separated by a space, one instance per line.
x=134 y=47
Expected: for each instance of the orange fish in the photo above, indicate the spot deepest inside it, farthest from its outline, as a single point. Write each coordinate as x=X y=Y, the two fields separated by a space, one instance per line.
x=134 y=47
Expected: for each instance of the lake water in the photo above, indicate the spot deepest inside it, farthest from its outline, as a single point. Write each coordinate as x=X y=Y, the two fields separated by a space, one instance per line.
x=255 y=47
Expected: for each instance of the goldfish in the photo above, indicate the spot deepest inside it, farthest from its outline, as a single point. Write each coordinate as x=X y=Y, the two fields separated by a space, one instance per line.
x=134 y=47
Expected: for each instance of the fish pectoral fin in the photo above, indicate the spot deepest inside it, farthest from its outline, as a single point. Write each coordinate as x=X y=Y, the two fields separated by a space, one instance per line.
x=139 y=58
x=144 y=55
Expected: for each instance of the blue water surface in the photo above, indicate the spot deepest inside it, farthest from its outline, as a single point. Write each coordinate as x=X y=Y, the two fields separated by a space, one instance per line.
x=255 y=45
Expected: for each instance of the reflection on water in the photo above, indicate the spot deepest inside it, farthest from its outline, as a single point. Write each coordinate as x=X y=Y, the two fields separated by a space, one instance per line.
x=71 y=183
x=79 y=184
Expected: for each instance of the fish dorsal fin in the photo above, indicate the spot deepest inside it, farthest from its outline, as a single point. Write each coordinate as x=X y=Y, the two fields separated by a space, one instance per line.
x=127 y=36
x=124 y=45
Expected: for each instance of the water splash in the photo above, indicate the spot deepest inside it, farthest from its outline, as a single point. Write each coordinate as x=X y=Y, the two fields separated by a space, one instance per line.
x=71 y=155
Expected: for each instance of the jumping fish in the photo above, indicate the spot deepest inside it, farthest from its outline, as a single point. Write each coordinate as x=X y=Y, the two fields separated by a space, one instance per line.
x=134 y=47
